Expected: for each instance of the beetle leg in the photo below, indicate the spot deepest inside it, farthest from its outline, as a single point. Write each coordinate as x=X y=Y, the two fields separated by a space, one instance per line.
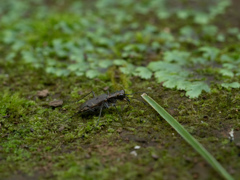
x=90 y=110
x=86 y=96
x=118 y=112
x=106 y=105
x=128 y=100
x=100 y=113
x=71 y=117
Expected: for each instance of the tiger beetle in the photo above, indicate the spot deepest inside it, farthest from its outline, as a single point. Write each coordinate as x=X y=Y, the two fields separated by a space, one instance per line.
x=98 y=103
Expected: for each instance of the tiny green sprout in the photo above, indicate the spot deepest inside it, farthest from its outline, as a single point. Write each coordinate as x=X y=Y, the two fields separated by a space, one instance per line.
x=110 y=130
x=204 y=124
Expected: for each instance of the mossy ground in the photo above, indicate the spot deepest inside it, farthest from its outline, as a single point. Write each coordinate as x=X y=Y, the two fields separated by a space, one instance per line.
x=36 y=143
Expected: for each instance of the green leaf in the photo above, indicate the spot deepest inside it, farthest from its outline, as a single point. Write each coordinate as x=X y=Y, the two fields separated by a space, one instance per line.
x=162 y=76
x=50 y=70
x=210 y=30
x=57 y=71
x=135 y=47
x=226 y=72
x=166 y=36
x=226 y=58
x=221 y=37
x=28 y=57
x=182 y=84
x=187 y=137
x=63 y=26
x=171 y=83
x=61 y=72
x=238 y=36
x=209 y=52
x=166 y=66
x=57 y=43
x=176 y=56
x=231 y=85
x=196 y=88
x=201 y=18
x=105 y=63
x=187 y=31
x=229 y=65
x=172 y=77
x=198 y=60
x=18 y=45
x=120 y=62
x=9 y=36
x=155 y=45
x=92 y=73
x=143 y=72
x=183 y=14
x=79 y=73
x=163 y=14
x=58 y=47
x=73 y=67
x=81 y=66
x=128 y=69
x=233 y=31
x=11 y=56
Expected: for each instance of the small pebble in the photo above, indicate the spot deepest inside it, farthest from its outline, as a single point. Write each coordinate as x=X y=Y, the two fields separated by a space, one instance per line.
x=56 y=103
x=155 y=157
x=231 y=134
x=87 y=156
x=61 y=128
x=106 y=88
x=43 y=93
x=238 y=144
x=137 y=147
x=134 y=153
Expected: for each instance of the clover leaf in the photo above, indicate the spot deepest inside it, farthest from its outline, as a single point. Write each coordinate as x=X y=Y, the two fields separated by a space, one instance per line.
x=195 y=89
x=143 y=72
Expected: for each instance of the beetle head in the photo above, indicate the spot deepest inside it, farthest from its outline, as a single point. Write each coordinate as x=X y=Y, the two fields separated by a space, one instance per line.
x=122 y=96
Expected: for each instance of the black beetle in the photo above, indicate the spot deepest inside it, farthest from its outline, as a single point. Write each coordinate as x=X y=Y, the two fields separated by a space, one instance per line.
x=98 y=103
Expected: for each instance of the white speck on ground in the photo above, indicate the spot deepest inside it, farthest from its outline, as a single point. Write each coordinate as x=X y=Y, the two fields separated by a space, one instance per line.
x=137 y=147
x=231 y=134
x=134 y=153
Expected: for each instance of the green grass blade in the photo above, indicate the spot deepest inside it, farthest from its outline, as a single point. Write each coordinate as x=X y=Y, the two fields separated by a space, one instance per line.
x=188 y=137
